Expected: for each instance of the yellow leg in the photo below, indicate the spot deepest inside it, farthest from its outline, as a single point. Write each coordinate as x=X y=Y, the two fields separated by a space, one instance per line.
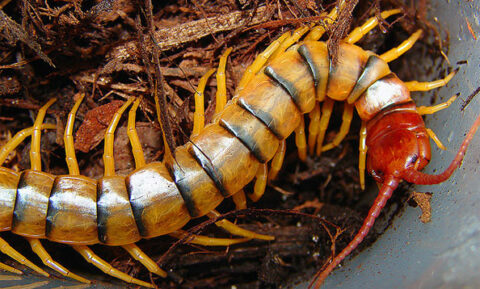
x=277 y=160
x=426 y=86
x=434 y=137
x=371 y=23
x=137 y=150
x=38 y=248
x=300 y=141
x=260 y=183
x=35 y=158
x=313 y=128
x=299 y=32
x=236 y=230
x=199 y=114
x=70 y=157
x=344 y=128
x=261 y=59
x=29 y=286
x=318 y=31
x=108 y=161
x=207 y=241
x=240 y=200
x=18 y=138
x=396 y=52
x=7 y=268
x=6 y=249
x=221 y=95
x=433 y=109
x=327 y=109
x=103 y=265
x=363 y=154
x=143 y=258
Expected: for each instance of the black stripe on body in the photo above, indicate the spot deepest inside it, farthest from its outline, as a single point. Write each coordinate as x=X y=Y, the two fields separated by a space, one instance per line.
x=209 y=168
x=287 y=85
x=185 y=191
x=305 y=53
x=262 y=115
x=243 y=135
x=374 y=69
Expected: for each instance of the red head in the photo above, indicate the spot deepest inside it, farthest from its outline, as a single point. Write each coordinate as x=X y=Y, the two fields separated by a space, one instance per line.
x=397 y=141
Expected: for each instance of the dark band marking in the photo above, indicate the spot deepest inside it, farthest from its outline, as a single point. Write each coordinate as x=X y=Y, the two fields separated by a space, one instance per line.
x=243 y=135
x=307 y=56
x=371 y=73
x=209 y=168
x=185 y=191
x=265 y=117
x=287 y=85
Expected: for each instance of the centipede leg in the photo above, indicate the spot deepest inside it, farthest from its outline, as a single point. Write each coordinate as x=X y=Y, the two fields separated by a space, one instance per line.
x=396 y=52
x=236 y=230
x=206 y=241
x=371 y=23
x=327 y=109
x=429 y=85
x=38 y=248
x=143 y=258
x=103 y=265
x=18 y=138
x=313 y=128
x=132 y=134
x=260 y=183
x=301 y=141
x=289 y=41
x=221 y=96
x=317 y=31
x=108 y=161
x=6 y=249
x=277 y=160
x=35 y=158
x=70 y=156
x=422 y=110
x=362 y=147
x=344 y=128
x=240 y=200
x=260 y=60
x=435 y=139
x=199 y=114
x=10 y=269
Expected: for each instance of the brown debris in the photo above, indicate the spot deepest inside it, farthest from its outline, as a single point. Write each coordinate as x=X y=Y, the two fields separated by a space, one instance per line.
x=92 y=130
x=423 y=201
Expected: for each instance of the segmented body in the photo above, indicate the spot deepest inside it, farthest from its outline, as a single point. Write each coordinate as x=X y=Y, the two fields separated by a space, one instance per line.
x=162 y=197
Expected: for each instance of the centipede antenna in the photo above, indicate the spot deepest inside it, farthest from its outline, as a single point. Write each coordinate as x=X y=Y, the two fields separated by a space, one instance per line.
x=419 y=178
x=389 y=185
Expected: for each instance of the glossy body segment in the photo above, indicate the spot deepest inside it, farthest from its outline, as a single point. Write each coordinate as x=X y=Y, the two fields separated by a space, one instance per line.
x=156 y=203
x=72 y=211
x=30 y=213
x=8 y=194
x=116 y=223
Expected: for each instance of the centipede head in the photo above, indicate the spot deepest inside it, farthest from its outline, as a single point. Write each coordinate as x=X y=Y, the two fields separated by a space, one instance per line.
x=397 y=142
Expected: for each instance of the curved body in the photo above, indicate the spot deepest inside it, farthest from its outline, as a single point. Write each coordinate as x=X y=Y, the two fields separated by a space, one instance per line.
x=161 y=198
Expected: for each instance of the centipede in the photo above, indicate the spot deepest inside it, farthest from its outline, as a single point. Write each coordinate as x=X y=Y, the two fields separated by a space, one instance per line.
x=292 y=79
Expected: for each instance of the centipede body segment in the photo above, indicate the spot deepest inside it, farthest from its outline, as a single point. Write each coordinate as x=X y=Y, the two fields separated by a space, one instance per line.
x=291 y=78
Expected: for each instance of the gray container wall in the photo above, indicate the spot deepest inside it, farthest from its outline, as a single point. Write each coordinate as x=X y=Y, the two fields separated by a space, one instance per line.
x=444 y=253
